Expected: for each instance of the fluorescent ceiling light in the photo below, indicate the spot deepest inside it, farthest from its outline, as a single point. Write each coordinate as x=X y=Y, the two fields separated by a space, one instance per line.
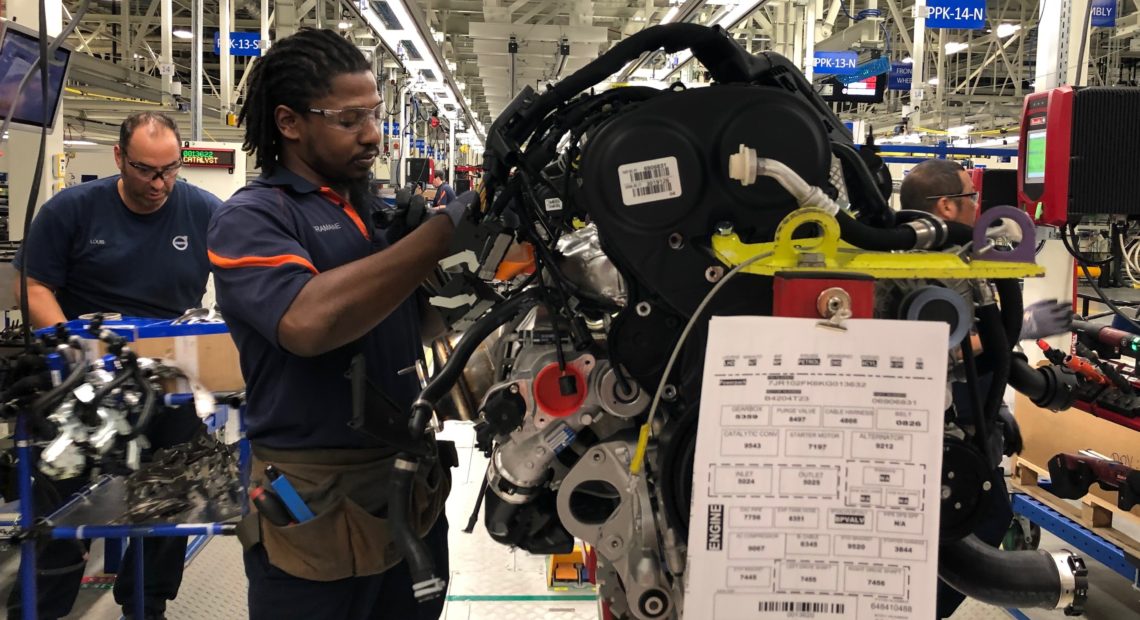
x=671 y=15
x=344 y=25
x=1005 y=30
x=182 y=34
x=907 y=60
x=78 y=143
x=932 y=81
x=954 y=47
x=960 y=130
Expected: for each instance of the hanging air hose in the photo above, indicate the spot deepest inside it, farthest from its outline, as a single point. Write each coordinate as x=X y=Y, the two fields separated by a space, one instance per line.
x=426 y=585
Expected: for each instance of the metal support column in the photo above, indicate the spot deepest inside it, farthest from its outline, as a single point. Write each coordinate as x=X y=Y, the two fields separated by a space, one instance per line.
x=225 y=58
x=196 y=73
x=264 y=26
x=128 y=57
x=809 y=39
x=285 y=17
x=918 y=69
x=405 y=147
x=451 y=152
x=166 y=63
x=940 y=71
x=512 y=53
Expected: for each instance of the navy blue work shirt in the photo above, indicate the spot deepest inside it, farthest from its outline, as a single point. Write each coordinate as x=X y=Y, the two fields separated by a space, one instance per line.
x=443 y=195
x=266 y=243
x=99 y=256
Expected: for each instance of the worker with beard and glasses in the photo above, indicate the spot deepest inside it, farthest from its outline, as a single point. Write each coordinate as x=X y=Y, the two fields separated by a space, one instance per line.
x=314 y=292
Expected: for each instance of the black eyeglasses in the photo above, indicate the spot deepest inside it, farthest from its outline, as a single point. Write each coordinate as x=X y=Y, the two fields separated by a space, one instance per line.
x=971 y=195
x=351 y=119
x=150 y=172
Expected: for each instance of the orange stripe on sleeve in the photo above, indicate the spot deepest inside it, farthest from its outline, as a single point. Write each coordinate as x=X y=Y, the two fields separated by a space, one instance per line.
x=260 y=261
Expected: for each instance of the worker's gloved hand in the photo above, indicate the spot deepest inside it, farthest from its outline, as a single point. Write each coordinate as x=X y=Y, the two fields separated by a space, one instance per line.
x=410 y=211
x=1045 y=318
x=458 y=207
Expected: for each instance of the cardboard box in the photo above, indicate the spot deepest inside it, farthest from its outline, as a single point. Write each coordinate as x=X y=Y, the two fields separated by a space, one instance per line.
x=204 y=350
x=1047 y=434
x=211 y=358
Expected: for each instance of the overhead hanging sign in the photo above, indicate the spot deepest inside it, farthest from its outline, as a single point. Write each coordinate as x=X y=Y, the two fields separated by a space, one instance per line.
x=835 y=63
x=241 y=43
x=392 y=128
x=899 y=77
x=957 y=14
x=420 y=143
x=875 y=67
x=1103 y=13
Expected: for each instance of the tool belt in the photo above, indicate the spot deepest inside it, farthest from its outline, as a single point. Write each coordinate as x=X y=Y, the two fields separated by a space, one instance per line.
x=347 y=490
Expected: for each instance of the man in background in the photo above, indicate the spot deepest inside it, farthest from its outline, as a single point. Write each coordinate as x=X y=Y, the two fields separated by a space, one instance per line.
x=133 y=244
x=443 y=192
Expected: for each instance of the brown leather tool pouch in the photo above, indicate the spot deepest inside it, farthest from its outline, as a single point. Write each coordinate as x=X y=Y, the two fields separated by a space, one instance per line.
x=347 y=491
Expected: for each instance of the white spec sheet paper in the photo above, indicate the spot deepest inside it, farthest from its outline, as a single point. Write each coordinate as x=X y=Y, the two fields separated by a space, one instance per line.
x=816 y=485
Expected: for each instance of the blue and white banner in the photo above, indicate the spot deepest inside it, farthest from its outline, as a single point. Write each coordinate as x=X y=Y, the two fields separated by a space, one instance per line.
x=835 y=63
x=958 y=14
x=241 y=43
x=420 y=143
x=1103 y=13
x=899 y=77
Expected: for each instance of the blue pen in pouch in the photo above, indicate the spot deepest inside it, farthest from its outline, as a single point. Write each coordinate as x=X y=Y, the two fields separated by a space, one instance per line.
x=297 y=506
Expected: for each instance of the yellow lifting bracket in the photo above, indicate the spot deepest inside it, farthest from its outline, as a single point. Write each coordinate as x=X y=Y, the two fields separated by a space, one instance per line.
x=830 y=253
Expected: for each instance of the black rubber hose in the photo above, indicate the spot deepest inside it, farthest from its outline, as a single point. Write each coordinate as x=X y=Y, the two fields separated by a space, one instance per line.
x=1012 y=309
x=1008 y=579
x=407 y=540
x=49 y=401
x=725 y=60
x=877 y=208
x=997 y=348
x=876 y=239
x=867 y=237
x=442 y=383
x=1027 y=379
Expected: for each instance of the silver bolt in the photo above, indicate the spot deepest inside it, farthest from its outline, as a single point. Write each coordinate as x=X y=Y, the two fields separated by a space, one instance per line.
x=676 y=241
x=670 y=392
x=643 y=308
x=724 y=228
x=950 y=475
x=598 y=457
x=987 y=485
x=946 y=492
x=714 y=273
x=834 y=304
x=957 y=505
x=514 y=389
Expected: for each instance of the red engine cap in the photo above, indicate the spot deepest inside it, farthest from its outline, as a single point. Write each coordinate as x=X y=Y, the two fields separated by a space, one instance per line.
x=549 y=397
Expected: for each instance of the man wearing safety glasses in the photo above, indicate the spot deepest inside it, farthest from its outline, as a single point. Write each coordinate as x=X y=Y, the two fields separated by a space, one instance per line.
x=133 y=244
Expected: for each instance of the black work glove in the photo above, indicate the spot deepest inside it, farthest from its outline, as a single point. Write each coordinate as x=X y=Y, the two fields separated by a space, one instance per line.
x=457 y=208
x=410 y=211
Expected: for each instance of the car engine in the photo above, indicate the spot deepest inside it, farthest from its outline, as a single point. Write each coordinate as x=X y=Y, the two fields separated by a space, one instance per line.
x=625 y=198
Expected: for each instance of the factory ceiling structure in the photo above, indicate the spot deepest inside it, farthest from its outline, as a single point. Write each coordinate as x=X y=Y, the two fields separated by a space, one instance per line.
x=469 y=58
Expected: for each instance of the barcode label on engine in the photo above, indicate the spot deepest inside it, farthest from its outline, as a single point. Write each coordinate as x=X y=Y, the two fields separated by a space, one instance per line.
x=801 y=607
x=649 y=181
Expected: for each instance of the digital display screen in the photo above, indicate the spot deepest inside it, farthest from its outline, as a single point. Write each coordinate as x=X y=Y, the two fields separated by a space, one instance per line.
x=18 y=52
x=1035 y=156
x=869 y=90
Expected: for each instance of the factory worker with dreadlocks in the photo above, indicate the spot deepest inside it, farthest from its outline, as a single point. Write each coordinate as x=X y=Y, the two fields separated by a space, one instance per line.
x=311 y=288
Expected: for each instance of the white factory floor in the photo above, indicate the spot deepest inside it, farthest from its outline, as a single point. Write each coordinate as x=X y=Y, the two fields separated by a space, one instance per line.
x=488 y=581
